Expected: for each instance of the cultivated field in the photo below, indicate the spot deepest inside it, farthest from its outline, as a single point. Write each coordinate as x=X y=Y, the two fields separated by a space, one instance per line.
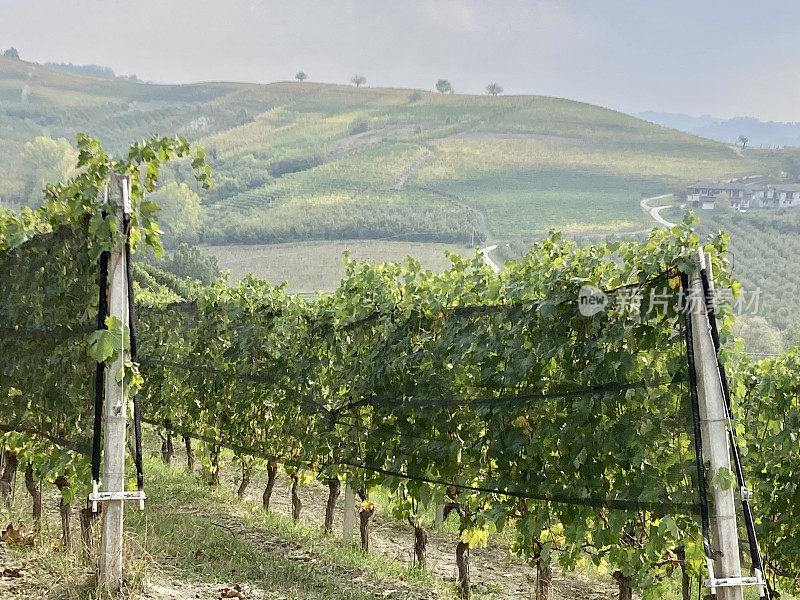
x=310 y=266
x=306 y=161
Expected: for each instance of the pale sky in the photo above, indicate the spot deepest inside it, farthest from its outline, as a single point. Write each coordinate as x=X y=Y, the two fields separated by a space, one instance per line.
x=721 y=57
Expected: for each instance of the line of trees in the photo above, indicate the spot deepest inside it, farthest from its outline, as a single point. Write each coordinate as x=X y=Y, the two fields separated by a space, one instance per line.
x=443 y=86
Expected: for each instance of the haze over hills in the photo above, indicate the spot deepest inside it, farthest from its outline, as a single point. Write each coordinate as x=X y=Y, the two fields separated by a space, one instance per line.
x=769 y=134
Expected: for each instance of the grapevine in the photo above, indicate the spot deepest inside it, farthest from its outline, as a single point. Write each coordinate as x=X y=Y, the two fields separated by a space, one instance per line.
x=489 y=392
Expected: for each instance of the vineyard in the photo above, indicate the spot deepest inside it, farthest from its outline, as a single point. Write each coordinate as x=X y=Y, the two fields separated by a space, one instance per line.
x=302 y=162
x=490 y=395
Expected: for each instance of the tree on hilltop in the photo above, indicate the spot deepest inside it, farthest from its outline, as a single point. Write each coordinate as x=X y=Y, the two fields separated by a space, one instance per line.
x=494 y=89
x=443 y=87
x=743 y=141
x=11 y=53
x=358 y=80
x=301 y=76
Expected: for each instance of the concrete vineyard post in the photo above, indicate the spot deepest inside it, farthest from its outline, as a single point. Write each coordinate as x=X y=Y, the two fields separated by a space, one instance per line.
x=714 y=435
x=115 y=409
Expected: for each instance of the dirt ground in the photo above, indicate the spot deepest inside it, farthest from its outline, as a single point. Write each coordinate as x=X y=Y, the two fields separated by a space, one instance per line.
x=14 y=574
x=494 y=572
x=492 y=569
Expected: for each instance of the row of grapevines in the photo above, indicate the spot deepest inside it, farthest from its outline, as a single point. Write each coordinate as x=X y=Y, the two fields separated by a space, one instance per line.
x=770 y=405
x=407 y=379
x=372 y=378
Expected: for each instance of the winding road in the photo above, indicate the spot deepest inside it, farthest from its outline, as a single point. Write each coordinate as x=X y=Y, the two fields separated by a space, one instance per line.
x=488 y=260
x=655 y=211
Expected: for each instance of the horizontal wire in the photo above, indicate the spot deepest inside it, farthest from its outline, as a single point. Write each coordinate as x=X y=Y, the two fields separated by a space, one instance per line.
x=523 y=398
x=455 y=310
x=76 y=447
x=622 y=504
x=432 y=402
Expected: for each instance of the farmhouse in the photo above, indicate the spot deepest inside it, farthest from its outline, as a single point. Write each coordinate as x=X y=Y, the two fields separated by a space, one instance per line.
x=744 y=192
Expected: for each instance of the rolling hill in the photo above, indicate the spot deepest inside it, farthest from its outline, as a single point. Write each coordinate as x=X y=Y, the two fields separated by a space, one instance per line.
x=307 y=165
x=307 y=161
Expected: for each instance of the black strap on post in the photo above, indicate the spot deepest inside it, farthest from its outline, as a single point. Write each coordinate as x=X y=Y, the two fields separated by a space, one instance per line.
x=755 y=553
x=698 y=443
x=137 y=413
x=99 y=395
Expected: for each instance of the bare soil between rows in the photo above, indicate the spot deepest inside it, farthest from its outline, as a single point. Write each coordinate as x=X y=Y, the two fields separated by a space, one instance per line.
x=492 y=569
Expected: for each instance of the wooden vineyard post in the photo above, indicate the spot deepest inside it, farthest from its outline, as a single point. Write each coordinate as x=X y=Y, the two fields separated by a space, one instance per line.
x=115 y=409
x=349 y=521
x=714 y=436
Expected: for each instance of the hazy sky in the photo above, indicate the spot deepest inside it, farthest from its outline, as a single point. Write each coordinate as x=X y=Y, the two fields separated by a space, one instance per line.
x=723 y=57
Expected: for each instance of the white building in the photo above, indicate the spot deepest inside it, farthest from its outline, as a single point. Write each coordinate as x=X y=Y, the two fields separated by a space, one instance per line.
x=744 y=193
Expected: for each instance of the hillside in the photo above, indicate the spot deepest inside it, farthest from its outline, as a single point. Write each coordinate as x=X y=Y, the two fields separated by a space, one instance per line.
x=310 y=169
x=307 y=161
x=763 y=249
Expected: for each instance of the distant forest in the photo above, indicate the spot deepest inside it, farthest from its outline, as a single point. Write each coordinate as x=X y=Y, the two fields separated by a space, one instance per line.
x=96 y=70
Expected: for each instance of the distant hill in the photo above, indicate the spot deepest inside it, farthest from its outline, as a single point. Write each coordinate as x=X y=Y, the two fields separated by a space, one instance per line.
x=310 y=161
x=768 y=134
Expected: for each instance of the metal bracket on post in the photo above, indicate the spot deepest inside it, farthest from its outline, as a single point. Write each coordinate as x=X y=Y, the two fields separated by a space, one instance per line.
x=95 y=489
x=96 y=497
x=126 y=200
x=712 y=584
x=709 y=583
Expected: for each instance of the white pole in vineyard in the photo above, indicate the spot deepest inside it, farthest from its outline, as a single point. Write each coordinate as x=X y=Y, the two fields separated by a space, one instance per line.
x=726 y=580
x=438 y=520
x=349 y=521
x=115 y=410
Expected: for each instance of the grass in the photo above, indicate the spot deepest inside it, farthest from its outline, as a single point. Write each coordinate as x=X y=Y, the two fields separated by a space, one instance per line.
x=208 y=550
x=193 y=540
